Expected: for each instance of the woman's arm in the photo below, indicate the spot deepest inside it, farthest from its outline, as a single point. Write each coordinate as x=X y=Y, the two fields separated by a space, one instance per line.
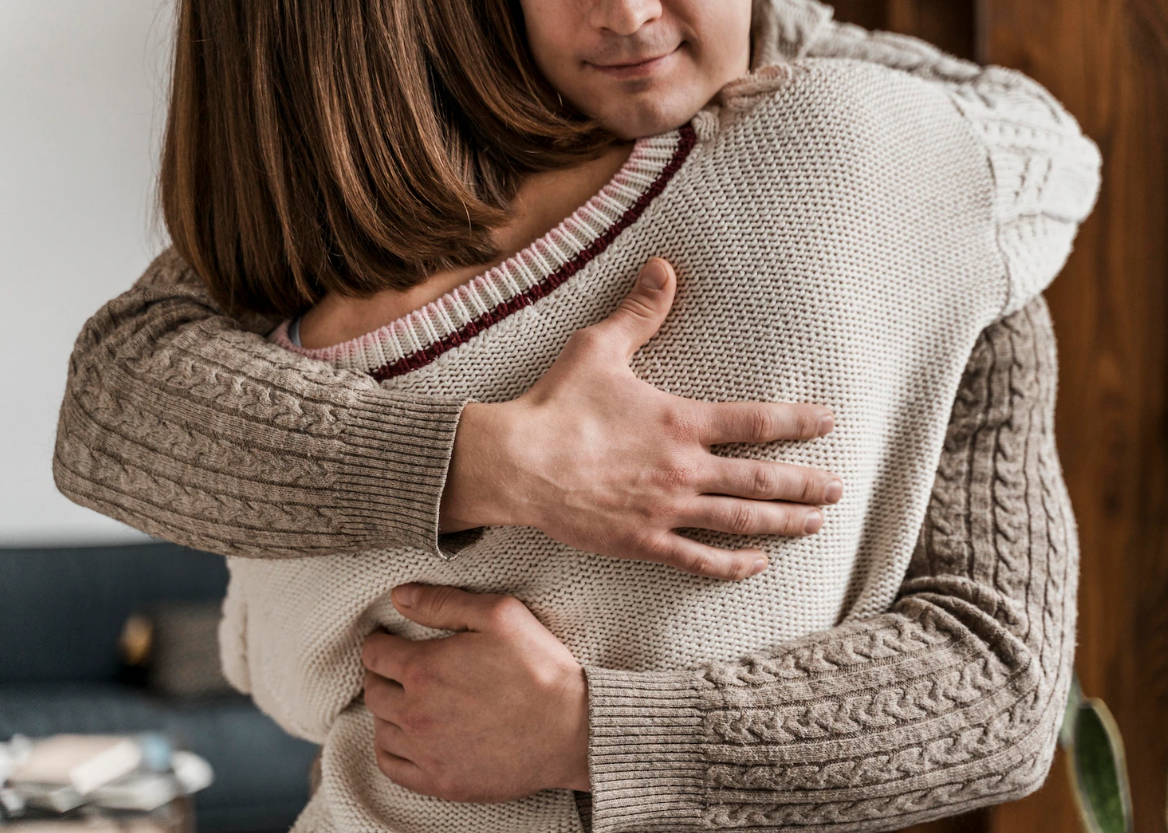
x=186 y=423
x=950 y=701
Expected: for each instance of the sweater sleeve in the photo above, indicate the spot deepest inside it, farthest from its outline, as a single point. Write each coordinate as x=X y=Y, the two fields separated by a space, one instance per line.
x=949 y=701
x=187 y=424
x=1046 y=173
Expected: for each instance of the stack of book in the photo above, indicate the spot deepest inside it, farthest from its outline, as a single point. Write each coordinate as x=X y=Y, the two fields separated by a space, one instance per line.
x=59 y=775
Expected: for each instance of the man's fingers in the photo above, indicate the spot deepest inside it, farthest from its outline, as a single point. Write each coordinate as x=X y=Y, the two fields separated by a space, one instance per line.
x=762 y=422
x=391 y=738
x=386 y=655
x=642 y=311
x=442 y=607
x=695 y=558
x=383 y=696
x=764 y=480
x=402 y=772
x=752 y=517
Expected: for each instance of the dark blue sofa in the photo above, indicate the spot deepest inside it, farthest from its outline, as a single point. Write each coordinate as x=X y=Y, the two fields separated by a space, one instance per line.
x=61 y=612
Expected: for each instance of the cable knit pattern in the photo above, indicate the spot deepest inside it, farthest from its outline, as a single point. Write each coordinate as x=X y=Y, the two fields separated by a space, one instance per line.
x=163 y=388
x=949 y=702
x=842 y=226
x=180 y=422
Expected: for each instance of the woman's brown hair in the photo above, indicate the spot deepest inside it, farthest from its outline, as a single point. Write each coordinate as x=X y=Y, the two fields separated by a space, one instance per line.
x=351 y=146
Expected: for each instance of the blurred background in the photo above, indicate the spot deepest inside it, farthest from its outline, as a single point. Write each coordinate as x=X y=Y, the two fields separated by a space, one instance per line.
x=82 y=107
x=82 y=89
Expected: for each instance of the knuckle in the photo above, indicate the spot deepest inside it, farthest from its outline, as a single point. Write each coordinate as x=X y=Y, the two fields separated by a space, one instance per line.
x=809 y=488
x=587 y=339
x=698 y=564
x=439 y=596
x=415 y=722
x=415 y=674
x=374 y=696
x=648 y=547
x=739 y=569
x=504 y=608
x=741 y=518
x=761 y=425
x=791 y=521
x=679 y=424
x=676 y=474
x=637 y=306
x=766 y=481
x=806 y=424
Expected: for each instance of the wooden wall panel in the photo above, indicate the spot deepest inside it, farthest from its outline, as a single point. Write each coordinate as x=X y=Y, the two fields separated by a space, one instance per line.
x=950 y=24
x=1107 y=60
x=871 y=14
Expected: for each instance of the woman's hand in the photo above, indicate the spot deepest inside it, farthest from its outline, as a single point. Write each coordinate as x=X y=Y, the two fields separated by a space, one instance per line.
x=495 y=713
x=603 y=462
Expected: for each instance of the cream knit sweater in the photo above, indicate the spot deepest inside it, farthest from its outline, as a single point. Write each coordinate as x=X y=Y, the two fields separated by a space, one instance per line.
x=844 y=232
x=881 y=219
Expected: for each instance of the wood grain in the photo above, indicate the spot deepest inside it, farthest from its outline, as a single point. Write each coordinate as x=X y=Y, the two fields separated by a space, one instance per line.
x=1107 y=60
x=950 y=24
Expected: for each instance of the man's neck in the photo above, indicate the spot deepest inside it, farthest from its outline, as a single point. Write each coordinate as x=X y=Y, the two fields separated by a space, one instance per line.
x=544 y=200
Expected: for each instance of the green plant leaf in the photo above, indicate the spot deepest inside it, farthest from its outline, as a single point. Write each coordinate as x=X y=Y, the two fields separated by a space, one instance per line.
x=1099 y=770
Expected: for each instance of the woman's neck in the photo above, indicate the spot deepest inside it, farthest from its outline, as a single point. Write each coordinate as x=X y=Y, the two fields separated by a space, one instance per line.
x=542 y=202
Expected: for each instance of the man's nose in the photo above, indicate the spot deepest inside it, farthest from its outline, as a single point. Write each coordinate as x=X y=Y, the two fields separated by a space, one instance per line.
x=624 y=17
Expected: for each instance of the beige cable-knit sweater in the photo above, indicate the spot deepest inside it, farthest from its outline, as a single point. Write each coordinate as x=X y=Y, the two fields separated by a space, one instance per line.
x=960 y=703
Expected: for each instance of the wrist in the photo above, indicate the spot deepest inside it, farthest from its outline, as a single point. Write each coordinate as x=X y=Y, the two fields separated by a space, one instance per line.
x=482 y=487
x=575 y=776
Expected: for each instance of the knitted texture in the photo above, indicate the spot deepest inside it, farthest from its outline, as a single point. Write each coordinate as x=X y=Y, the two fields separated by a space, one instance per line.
x=837 y=225
x=840 y=229
x=183 y=424
x=950 y=701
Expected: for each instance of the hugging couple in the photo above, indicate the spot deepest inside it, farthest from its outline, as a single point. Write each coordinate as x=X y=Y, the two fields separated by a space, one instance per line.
x=618 y=415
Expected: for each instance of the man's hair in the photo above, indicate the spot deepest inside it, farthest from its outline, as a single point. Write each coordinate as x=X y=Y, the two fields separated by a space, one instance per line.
x=351 y=146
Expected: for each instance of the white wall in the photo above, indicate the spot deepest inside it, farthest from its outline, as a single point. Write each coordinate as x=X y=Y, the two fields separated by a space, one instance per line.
x=82 y=85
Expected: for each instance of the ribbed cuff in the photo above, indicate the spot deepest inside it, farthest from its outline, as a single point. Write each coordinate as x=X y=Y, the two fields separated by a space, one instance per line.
x=394 y=471
x=644 y=750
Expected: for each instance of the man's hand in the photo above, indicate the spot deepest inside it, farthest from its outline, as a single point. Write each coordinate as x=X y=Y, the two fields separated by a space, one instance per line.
x=495 y=713
x=603 y=462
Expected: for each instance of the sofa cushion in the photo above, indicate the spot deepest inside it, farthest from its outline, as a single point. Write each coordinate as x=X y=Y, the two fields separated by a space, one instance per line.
x=62 y=610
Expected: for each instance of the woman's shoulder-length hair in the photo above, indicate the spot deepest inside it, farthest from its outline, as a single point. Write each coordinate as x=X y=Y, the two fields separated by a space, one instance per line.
x=350 y=146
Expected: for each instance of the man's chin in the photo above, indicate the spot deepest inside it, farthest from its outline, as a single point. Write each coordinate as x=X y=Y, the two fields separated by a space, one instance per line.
x=641 y=122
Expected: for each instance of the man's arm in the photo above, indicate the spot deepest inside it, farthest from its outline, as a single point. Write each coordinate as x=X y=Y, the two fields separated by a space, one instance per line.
x=950 y=701
x=187 y=424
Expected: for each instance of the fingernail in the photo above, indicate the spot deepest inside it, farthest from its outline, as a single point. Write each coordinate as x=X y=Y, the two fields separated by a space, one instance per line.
x=405 y=594
x=653 y=276
x=834 y=491
x=826 y=425
x=758 y=567
x=814 y=522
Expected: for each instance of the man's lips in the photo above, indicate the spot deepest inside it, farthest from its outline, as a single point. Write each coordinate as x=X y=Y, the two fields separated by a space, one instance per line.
x=635 y=69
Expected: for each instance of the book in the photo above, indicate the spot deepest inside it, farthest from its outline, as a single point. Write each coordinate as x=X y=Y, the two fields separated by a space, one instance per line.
x=81 y=763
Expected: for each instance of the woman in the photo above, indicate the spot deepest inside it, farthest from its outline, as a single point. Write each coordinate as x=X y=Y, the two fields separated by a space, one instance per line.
x=950 y=623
